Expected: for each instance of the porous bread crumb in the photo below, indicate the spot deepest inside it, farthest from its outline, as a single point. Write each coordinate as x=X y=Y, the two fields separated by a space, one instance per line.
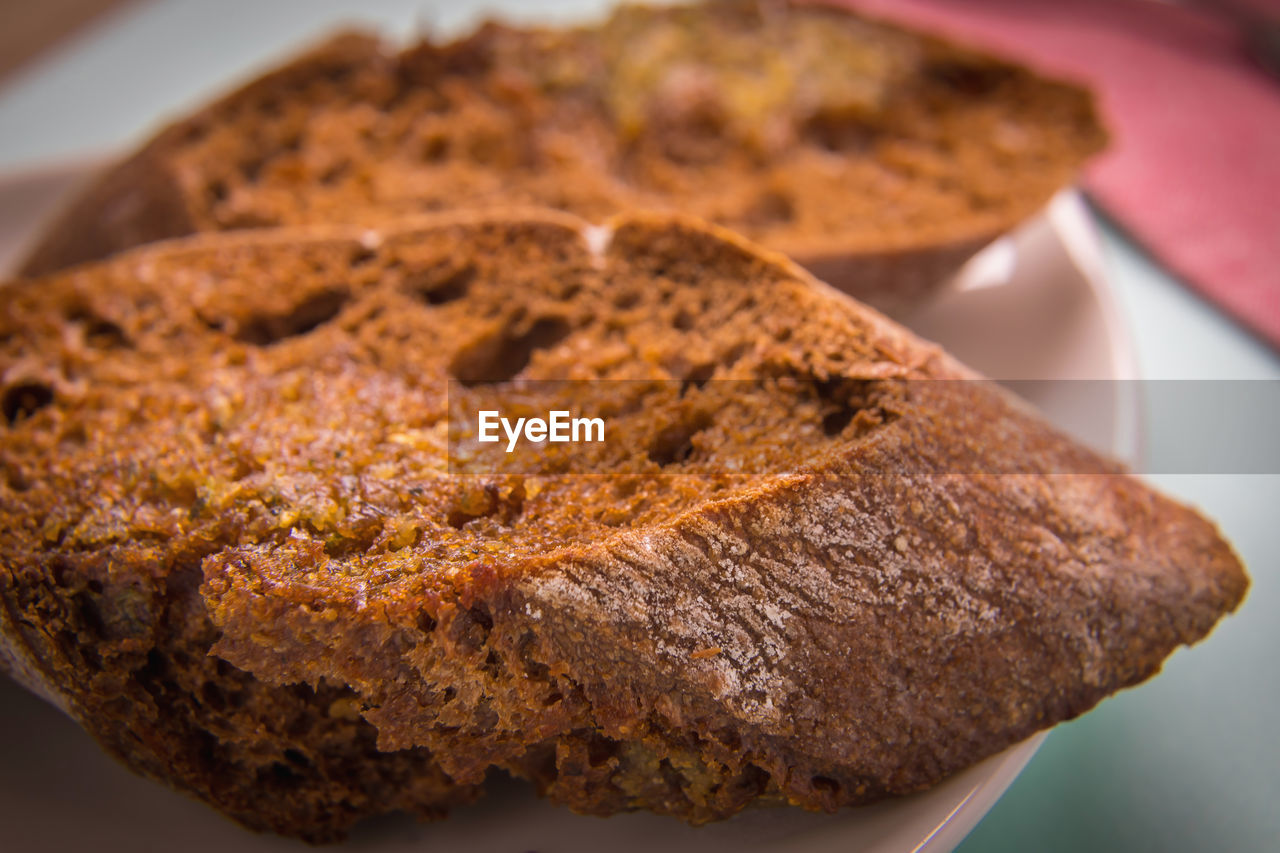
x=230 y=525
x=879 y=157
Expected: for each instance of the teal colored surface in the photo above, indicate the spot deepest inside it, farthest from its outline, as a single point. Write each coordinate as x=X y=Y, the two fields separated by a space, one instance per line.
x=1188 y=762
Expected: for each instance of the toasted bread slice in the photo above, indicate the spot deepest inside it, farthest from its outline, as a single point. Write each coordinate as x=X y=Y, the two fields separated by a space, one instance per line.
x=878 y=157
x=244 y=530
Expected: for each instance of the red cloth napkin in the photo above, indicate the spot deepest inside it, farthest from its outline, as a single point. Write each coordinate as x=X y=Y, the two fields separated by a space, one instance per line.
x=1193 y=172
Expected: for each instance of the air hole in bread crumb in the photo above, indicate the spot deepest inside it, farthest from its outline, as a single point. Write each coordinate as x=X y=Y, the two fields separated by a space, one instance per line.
x=600 y=749
x=270 y=107
x=838 y=130
x=967 y=78
x=435 y=147
x=752 y=780
x=23 y=399
x=265 y=329
x=670 y=775
x=834 y=422
x=697 y=376
x=730 y=738
x=212 y=696
x=470 y=629
x=847 y=402
x=482 y=618
x=251 y=168
x=296 y=758
x=362 y=255
x=499 y=357
x=735 y=353
x=474 y=501
x=74 y=435
x=674 y=443
x=335 y=173
x=625 y=487
x=543 y=766
x=825 y=784
x=104 y=334
x=444 y=281
x=99 y=332
x=284 y=775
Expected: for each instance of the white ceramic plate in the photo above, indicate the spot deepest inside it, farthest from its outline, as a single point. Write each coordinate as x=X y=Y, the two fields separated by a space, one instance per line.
x=1032 y=306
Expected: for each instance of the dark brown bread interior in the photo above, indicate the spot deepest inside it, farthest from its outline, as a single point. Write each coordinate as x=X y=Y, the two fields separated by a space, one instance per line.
x=878 y=157
x=230 y=544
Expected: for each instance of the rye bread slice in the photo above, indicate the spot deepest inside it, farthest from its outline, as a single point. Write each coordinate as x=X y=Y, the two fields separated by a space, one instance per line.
x=825 y=565
x=878 y=157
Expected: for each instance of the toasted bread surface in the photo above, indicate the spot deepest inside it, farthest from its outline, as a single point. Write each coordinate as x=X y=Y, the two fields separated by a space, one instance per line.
x=879 y=157
x=819 y=561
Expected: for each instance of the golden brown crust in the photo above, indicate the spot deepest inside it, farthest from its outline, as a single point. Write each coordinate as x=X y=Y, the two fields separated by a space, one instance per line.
x=861 y=572
x=882 y=167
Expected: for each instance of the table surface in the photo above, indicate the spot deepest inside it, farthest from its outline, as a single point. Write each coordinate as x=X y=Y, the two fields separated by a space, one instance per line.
x=1189 y=761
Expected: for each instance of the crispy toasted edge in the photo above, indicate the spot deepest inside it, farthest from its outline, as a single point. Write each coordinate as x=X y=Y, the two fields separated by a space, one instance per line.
x=146 y=181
